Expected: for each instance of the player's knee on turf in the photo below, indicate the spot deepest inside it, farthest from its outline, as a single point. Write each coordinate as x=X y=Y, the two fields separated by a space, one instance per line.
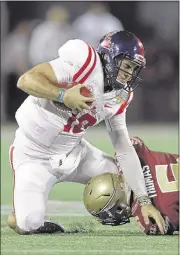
x=11 y=222
x=29 y=223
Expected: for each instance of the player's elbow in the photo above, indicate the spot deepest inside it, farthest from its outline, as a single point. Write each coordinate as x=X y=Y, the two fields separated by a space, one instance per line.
x=25 y=81
x=21 y=82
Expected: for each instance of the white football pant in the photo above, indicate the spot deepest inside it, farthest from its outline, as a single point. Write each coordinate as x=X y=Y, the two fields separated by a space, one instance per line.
x=34 y=178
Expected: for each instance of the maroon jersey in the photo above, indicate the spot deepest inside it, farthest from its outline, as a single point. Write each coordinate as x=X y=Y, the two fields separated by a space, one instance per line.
x=161 y=178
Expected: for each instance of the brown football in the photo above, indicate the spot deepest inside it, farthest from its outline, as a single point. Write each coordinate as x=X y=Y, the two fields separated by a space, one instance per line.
x=84 y=90
x=86 y=93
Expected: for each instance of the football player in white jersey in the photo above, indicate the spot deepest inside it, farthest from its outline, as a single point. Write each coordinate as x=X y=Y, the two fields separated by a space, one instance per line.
x=49 y=146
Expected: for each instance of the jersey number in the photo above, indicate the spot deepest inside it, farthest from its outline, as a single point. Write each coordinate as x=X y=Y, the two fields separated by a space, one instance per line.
x=78 y=125
x=162 y=177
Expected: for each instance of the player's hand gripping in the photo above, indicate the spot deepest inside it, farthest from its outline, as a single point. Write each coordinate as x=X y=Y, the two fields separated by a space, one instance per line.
x=74 y=100
x=149 y=210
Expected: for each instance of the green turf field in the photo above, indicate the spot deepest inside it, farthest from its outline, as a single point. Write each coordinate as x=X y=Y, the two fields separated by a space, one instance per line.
x=84 y=235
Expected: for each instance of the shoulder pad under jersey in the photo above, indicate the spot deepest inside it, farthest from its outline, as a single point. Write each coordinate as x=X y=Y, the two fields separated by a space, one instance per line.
x=81 y=56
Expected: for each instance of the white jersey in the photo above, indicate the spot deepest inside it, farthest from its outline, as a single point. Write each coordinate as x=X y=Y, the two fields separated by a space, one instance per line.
x=50 y=130
x=53 y=126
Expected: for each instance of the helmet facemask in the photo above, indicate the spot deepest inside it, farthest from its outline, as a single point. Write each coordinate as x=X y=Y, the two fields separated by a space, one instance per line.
x=115 y=71
x=118 y=214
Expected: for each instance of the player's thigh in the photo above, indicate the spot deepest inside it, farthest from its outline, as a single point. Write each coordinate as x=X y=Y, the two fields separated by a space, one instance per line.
x=96 y=162
x=32 y=183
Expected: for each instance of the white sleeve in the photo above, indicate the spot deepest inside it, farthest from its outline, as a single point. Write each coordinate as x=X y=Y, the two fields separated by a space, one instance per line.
x=126 y=154
x=63 y=71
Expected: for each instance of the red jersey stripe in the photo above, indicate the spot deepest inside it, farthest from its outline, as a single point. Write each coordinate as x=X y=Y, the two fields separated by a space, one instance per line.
x=90 y=70
x=13 y=171
x=141 y=48
x=88 y=60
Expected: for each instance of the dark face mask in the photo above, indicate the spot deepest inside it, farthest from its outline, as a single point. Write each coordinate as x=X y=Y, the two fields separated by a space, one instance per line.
x=117 y=215
x=130 y=74
x=111 y=74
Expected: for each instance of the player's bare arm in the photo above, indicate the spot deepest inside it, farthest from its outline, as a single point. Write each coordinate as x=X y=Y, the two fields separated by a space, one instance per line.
x=41 y=82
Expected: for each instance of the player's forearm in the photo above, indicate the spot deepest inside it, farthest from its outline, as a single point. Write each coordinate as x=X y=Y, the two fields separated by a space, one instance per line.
x=36 y=84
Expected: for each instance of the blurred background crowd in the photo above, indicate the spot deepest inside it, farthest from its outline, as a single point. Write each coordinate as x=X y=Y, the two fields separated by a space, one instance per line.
x=32 y=32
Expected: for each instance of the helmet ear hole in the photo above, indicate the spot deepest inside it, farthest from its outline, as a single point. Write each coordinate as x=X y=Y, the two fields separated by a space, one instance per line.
x=90 y=192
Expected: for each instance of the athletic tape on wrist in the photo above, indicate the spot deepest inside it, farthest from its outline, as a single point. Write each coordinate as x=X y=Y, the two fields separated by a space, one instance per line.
x=144 y=201
x=61 y=96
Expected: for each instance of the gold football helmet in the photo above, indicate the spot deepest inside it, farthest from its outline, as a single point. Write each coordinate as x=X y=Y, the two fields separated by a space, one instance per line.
x=105 y=197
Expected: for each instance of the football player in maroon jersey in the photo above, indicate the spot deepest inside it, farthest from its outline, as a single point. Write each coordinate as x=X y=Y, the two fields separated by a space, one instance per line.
x=115 y=203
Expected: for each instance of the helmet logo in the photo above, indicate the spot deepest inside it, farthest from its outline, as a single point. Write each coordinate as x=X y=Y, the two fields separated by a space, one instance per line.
x=106 y=43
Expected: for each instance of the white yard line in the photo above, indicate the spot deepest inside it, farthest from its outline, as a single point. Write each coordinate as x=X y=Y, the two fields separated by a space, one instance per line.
x=7 y=131
x=51 y=251
x=57 y=208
